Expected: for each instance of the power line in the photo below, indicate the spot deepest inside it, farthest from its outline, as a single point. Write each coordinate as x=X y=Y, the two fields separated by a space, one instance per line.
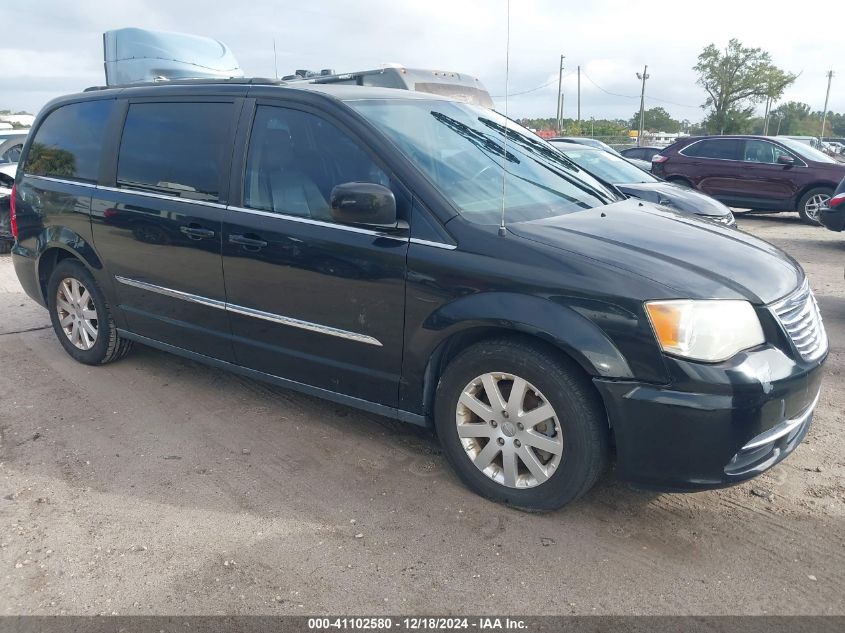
x=535 y=89
x=616 y=94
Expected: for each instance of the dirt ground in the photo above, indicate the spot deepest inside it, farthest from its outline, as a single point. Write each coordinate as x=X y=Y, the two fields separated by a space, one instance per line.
x=158 y=485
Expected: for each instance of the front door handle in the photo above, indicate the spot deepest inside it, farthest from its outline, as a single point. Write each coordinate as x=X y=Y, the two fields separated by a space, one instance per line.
x=249 y=241
x=195 y=232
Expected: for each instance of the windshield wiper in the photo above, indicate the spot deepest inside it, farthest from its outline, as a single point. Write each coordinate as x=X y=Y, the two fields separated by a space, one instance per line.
x=480 y=140
x=557 y=158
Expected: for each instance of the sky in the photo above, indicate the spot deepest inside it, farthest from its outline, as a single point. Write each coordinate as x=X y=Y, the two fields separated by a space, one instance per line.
x=54 y=47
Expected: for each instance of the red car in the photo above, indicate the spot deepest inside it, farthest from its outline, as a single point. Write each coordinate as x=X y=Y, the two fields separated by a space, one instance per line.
x=762 y=173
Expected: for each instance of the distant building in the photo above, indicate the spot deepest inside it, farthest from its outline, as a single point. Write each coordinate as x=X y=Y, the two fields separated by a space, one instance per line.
x=25 y=120
x=661 y=138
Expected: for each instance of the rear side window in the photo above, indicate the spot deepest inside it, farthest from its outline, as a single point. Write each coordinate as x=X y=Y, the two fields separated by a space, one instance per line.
x=720 y=148
x=175 y=148
x=69 y=141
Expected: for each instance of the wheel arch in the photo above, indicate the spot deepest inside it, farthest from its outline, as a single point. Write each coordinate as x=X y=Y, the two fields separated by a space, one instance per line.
x=814 y=185
x=57 y=244
x=571 y=337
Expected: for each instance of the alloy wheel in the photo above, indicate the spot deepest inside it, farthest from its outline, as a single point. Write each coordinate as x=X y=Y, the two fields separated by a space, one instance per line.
x=77 y=313
x=815 y=204
x=509 y=430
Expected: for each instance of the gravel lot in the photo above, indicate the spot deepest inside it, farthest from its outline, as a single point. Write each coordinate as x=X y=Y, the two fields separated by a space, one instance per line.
x=158 y=485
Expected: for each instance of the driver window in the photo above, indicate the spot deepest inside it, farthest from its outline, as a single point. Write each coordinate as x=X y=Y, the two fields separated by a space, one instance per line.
x=757 y=151
x=295 y=159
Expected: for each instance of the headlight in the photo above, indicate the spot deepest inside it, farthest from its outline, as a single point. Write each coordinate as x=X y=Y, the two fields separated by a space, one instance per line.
x=709 y=331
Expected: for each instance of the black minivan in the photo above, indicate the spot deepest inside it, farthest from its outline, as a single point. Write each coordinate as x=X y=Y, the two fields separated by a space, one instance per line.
x=422 y=259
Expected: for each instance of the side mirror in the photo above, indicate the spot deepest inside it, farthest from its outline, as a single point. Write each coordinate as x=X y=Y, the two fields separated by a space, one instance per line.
x=783 y=159
x=364 y=203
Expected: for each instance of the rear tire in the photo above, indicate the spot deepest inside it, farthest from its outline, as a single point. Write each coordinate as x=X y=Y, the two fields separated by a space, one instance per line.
x=488 y=448
x=82 y=317
x=811 y=202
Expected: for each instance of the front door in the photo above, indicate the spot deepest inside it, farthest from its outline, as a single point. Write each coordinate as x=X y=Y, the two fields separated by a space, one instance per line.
x=309 y=299
x=159 y=227
x=767 y=179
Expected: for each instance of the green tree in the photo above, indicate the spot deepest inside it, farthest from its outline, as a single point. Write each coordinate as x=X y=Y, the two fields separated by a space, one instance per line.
x=50 y=161
x=655 y=120
x=735 y=80
x=793 y=118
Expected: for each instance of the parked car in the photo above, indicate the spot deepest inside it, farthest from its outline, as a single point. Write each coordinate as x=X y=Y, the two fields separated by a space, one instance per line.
x=768 y=174
x=11 y=144
x=7 y=180
x=636 y=183
x=835 y=147
x=529 y=313
x=595 y=143
x=584 y=140
x=640 y=153
x=833 y=216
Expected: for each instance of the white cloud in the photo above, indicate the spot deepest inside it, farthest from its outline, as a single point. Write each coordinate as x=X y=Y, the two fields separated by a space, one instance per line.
x=55 y=46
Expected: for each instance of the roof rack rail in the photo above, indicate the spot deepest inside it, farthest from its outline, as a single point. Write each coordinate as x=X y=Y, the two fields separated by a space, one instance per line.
x=260 y=81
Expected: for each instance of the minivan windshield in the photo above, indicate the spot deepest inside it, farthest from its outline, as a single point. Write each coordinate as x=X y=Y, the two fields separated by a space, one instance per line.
x=805 y=151
x=464 y=151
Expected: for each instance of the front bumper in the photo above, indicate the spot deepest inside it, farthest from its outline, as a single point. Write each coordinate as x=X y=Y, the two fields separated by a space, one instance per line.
x=720 y=426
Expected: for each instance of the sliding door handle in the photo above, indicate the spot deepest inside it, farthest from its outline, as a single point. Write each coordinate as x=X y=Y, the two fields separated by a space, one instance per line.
x=196 y=232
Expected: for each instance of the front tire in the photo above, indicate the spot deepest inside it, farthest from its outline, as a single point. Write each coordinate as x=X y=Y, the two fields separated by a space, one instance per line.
x=519 y=426
x=81 y=316
x=811 y=203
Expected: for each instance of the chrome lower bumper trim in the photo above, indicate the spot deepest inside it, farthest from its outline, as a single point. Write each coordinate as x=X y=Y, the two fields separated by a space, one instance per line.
x=784 y=428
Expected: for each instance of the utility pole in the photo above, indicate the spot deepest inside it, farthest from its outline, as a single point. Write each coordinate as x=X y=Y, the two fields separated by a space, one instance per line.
x=579 y=94
x=766 y=116
x=643 y=77
x=560 y=96
x=826 y=97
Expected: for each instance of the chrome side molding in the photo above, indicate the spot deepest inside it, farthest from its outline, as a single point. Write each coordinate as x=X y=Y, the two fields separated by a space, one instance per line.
x=251 y=312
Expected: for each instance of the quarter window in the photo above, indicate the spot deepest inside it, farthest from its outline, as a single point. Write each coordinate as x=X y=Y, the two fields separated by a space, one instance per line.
x=296 y=158
x=718 y=148
x=175 y=148
x=69 y=141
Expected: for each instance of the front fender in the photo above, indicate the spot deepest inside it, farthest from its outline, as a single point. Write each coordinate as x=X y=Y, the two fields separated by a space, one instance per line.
x=555 y=323
x=552 y=322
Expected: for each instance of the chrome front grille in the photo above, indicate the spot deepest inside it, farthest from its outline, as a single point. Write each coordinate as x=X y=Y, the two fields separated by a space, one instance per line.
x=799 y=315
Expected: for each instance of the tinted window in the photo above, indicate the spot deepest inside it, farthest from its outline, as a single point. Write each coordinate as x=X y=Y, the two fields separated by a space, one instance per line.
x=175 y=148
x=296 y=158
x=68 y=142
x=723 y=148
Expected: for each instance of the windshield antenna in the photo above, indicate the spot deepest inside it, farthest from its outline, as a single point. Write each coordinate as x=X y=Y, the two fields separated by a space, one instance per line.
x=502 y=230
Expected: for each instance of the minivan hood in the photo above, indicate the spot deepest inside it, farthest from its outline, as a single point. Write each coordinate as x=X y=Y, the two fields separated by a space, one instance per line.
x=690 y=258
x=677 y=197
